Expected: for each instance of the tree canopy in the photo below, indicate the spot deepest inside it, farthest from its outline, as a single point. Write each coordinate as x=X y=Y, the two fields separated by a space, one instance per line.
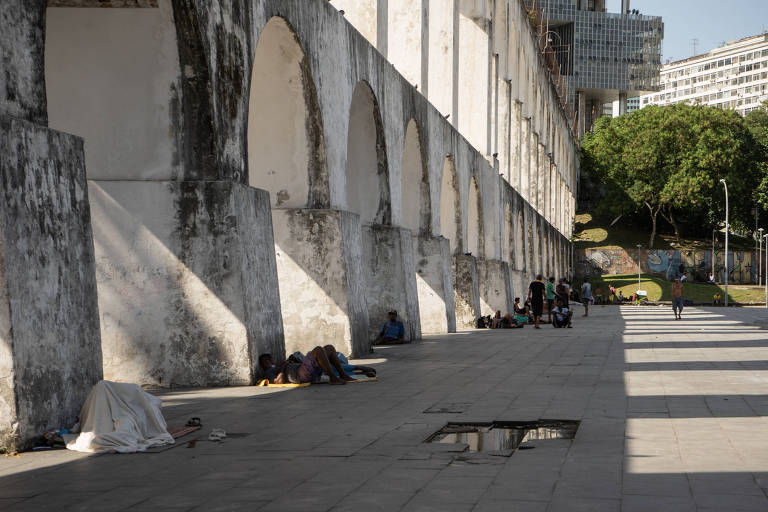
x=669 y=161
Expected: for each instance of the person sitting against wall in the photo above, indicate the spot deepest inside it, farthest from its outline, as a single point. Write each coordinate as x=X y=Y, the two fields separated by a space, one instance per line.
x=497 y=320
x=319 y=360
x=521 y=312
x=392 y=332
x=562 y=316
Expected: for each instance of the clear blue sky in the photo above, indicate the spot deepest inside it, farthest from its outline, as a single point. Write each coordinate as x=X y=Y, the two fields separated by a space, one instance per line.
x=710 y=21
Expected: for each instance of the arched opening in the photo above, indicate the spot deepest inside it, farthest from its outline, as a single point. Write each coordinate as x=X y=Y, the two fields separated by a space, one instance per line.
x=474 y=219
x=415 y=184
x=367 y=170
x=450 y=206
x=286 y=152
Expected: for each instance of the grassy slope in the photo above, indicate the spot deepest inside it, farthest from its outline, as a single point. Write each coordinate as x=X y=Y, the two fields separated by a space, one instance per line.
x=659 y=289
x=589 y=233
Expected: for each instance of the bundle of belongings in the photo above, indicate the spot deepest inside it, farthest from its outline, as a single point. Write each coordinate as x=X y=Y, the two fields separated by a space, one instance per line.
x=119 y=417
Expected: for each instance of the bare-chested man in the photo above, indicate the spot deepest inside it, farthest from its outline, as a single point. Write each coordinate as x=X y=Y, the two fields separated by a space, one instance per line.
x=677 y=298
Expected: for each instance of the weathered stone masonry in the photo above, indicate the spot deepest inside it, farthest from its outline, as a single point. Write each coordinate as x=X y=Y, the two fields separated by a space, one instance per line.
x=260 y=179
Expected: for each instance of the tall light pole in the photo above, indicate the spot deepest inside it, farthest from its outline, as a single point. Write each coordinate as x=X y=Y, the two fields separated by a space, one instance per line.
x=760 y=257
x=766 y=270
x=638 y=273
x=726 y=241
x=713 y=255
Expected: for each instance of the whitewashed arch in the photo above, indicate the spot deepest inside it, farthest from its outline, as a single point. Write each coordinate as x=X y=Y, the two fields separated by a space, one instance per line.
x=286 y=150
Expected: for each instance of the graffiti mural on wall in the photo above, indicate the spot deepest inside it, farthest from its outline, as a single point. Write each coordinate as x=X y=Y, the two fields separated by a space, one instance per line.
x=669 y=264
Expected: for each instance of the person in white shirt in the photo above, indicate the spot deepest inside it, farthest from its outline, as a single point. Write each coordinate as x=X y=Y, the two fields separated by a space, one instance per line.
x=562 y=316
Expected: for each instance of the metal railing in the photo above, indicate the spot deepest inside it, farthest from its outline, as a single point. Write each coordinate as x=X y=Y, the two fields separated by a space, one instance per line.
x=535 y=14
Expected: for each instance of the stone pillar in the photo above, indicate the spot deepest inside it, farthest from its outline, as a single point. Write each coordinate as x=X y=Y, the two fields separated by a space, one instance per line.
x=516 y=135
x=390 y=278
x=582 y=114
x=533 y=171
x=434 y=284
x=494 y=286
x=542 y=185
x=50 y=355
x=187 y=281
x=322 y=292
x=466 y=290
x=525 y=159
x=22 y=43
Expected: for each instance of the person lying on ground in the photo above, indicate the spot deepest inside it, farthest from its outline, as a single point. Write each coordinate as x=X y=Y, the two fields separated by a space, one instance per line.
x=319 y=360
x=392 y=332
x=510 y=322
x=484 y=322
x=355 y=368
x=562 y=315
x=350 y=369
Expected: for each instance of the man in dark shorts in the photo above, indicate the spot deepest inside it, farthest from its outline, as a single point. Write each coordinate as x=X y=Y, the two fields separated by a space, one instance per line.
x=319 y=360
x=537 y=294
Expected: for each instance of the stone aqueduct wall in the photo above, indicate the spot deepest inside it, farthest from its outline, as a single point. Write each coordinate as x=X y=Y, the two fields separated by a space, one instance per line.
x=194 y=247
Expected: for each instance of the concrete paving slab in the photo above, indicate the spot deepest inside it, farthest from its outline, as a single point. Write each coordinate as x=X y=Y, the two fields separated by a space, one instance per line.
x=674 y=416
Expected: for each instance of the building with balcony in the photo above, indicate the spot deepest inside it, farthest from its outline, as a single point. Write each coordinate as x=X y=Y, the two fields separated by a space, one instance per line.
x=734 y=76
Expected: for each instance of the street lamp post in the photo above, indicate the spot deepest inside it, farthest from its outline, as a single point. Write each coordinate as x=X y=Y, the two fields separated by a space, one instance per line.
x=638 y=273
x=726 y=241
x=766 y=270
x=713 y=255
x=760 y=257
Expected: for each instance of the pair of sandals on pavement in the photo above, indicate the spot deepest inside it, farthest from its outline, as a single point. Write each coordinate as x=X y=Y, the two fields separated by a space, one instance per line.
x=217 y=434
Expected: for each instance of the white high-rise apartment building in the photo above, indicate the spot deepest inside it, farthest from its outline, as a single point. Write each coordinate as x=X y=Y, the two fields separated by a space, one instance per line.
x=734 y=76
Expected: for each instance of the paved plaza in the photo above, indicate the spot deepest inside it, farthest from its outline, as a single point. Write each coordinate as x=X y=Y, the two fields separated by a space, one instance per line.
x=674 y=417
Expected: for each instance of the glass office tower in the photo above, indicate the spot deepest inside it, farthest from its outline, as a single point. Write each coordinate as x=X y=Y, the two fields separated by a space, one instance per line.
x=605 y=56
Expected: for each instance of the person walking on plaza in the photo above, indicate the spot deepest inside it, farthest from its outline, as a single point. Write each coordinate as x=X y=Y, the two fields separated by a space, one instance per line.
x=550 y=298
x=677 y=298
x=536 y=295
x=586 y=295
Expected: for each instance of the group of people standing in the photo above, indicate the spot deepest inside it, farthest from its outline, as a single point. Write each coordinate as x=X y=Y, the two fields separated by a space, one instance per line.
x=557 y=298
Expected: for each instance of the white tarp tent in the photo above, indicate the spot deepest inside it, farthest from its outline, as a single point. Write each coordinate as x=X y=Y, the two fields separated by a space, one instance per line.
x=119 y=417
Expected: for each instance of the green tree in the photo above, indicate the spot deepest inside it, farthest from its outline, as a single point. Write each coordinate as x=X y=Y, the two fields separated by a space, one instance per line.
x=669 y=160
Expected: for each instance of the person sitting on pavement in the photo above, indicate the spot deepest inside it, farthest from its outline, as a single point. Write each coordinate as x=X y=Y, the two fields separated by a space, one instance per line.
x=562 y=316
x=497 y=320
x=521 y=312
x=716 y=299
x=621 y=297
x=392 y=332
x=319 y=360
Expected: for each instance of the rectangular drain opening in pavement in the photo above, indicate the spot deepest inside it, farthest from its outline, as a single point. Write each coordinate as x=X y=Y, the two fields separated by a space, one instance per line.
x=503 y=437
